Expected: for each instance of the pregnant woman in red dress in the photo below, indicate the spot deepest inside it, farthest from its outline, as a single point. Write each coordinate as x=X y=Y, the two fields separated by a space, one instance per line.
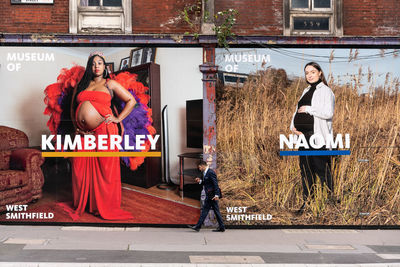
x=96 y=181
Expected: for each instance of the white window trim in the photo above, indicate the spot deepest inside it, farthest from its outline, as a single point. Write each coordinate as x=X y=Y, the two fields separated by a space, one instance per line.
x=334 y=13
x=312 y=9
x=312 y=32
x=76 y=12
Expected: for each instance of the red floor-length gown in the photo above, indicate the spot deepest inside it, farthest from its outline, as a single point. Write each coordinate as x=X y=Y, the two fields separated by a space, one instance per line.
x=96 y=181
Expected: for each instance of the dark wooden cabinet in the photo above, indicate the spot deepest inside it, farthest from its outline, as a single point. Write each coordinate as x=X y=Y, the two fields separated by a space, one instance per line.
x=149 y=173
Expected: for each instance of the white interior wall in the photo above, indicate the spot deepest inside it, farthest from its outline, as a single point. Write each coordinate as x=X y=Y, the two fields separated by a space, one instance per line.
x=180 y=81
x=22 y=91
x=115 y=55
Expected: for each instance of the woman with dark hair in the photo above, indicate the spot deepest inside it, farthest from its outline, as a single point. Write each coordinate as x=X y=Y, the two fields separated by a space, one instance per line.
x=96 y=181
x=314 y=114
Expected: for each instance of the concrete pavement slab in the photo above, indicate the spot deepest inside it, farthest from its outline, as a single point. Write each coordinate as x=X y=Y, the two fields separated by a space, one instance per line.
x=189 y=240
x=337 y=248
x=364 y=237
x=176 y=245
x=178 y=239
x=52 y=264
x=329 y=247
x=206 y=240
x=84 y=241
x=389 y=256
x=227 y=259
x=29 y=232
x=24 y=241
x=386 y=249
x=245 y=240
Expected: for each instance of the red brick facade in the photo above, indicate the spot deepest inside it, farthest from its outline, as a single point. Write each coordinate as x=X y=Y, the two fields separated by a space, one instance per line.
x=360 y=17
x=256 y=17
x=153 y=16
x=371 y=17
x=34 y=18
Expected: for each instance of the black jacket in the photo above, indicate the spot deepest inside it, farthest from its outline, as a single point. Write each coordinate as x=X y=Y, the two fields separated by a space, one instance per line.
x=210 y=184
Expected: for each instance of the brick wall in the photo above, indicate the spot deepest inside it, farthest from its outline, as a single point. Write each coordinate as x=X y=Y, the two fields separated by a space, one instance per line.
x=256 y=17
x=34 y=18
x=360 y=17
x=148 y=16
x=154 y=16
x=371 y=17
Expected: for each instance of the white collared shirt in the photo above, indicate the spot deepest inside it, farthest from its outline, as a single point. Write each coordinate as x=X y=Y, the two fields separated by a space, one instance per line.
x=204 y=173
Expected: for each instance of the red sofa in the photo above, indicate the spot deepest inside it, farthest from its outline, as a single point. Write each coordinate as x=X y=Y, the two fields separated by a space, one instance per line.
x=21 y=178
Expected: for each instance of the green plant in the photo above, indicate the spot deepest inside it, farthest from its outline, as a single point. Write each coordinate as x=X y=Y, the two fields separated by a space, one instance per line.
x=191 y=14
x=225 y=20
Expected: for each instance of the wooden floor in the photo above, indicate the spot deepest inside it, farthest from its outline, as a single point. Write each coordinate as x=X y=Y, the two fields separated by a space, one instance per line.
x=62 y=192
x=172 y=195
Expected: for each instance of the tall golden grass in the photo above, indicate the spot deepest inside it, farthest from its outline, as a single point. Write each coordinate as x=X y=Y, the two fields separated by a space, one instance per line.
x=252 y=174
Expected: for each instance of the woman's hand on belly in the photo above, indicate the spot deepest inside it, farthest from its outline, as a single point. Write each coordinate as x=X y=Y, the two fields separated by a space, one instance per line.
x=88 y=118
x=111 y=118
x=294 y=130
x=302 y=109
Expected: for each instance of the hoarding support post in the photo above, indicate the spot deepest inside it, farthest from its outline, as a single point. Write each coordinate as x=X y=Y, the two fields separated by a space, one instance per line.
x=209 y=70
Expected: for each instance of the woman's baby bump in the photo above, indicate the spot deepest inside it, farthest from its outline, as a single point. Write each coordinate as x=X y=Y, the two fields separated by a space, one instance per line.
x=88 y=118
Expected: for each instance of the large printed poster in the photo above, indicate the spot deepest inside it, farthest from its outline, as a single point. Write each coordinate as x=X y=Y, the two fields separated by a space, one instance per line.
x=304 y=136
x=309 y=136
x=81 y=134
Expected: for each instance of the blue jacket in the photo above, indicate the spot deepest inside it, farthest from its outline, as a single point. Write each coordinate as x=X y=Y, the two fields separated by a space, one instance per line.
x=210 y=184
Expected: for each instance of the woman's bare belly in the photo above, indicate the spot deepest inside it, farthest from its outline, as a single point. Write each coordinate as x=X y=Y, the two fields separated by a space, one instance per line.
x=88 y=118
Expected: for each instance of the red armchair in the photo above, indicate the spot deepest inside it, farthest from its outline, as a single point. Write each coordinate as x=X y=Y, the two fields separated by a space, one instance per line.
x=21 y=178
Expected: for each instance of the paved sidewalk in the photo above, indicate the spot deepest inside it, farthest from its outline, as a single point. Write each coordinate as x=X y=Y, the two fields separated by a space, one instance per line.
x=94 y=246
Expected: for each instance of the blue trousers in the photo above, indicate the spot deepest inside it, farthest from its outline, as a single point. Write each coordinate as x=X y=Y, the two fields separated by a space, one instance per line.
x=210 y=204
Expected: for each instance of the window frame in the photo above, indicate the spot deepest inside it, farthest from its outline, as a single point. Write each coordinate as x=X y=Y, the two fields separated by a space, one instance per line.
x=77 y=14
x=100 y=5
x=311 y=7
x=334 y=13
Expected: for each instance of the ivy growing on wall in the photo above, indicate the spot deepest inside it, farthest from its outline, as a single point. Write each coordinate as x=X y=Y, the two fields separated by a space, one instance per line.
x=223 y=22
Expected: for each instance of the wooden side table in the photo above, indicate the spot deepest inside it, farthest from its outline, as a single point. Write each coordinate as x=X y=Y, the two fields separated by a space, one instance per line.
x=182 y=170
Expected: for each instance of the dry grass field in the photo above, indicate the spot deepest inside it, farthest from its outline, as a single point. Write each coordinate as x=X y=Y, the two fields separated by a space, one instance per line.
x=252 y=174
